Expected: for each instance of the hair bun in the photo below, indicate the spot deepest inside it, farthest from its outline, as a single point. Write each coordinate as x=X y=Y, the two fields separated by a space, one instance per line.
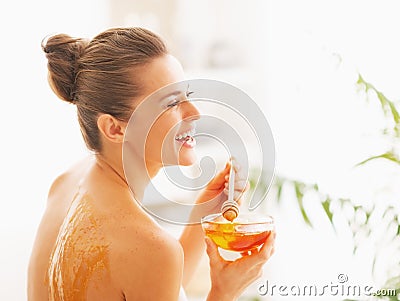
x=63 y=53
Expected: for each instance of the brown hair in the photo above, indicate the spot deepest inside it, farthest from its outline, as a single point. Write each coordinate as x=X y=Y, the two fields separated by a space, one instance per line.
x=98 y=76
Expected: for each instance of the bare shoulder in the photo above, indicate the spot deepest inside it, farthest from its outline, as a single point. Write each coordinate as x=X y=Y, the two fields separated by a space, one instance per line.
x=147 y=262
x=68 y=178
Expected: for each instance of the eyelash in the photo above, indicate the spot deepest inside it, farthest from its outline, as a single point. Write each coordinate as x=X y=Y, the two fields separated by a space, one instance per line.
x=176 y=102
x=173 y=104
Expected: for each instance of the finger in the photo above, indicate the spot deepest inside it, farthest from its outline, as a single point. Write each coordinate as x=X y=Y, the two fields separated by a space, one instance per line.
x=272 y=251
x=236 y=195
x=267 y=248
x=239 y=191
x=270 y=239
x=242 y=185
x=261 y=256
x=212 y=251
x=219 y=179
x=236 y=165
x=239 y=185
x=246 y=253
x=238 y=177
x=222 y=174
x=241 y=188
x=238 y=198
x=238 y=172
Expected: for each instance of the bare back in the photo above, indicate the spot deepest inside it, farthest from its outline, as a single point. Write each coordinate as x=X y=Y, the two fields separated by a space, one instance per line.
x=90 y=229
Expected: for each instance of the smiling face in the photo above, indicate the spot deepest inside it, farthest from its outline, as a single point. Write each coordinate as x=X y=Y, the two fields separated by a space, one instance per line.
x=166 y=118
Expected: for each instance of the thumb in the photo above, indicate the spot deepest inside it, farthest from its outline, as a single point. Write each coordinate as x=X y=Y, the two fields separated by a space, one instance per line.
x=212 y=251
x=219 y=180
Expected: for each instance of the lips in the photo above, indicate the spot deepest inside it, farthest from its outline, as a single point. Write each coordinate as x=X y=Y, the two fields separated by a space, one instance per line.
x=185 y=135
x=186 y=138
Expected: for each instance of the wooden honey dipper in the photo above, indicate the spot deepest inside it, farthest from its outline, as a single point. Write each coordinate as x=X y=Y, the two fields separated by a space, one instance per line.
x=230 y=209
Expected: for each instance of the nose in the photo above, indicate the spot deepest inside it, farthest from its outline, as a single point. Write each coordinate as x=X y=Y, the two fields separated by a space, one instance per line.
x=190 y=112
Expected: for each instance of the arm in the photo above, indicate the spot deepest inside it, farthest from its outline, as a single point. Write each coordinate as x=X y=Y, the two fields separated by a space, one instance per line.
x=150 y=268
x=192 y=238
x=192 y=241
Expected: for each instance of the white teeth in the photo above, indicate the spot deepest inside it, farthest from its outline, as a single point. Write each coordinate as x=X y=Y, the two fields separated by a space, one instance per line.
x=185 y=134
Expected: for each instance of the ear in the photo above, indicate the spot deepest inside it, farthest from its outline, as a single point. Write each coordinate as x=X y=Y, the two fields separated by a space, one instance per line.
x=111 y=128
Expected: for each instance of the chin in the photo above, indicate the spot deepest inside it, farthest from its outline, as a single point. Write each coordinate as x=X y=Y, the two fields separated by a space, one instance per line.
x=188 y=158
x=185 y=151
x=183 y=157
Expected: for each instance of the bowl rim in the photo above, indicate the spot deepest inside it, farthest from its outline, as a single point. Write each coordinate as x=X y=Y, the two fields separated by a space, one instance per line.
x=267 y=219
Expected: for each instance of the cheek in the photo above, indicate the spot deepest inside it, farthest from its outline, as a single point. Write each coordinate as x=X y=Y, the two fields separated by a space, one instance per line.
x=161 y=132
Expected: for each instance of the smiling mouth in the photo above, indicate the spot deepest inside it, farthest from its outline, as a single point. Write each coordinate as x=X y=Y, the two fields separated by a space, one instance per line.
x=186 y=138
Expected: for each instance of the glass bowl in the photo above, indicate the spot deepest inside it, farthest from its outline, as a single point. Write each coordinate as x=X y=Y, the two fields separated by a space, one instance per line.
x=246 y=232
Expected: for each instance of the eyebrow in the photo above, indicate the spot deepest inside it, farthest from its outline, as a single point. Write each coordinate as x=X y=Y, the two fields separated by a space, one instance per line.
x=175 y=93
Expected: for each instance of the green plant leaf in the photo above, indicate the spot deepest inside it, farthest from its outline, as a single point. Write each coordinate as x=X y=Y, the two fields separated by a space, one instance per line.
x=395 y=113
x=299 y=189
x=367 y=85
x=360 y=80
x=367 y=216
x=388 y=106
x=388 y=156
x=383 y=100
x=392 y=284
x=326 y=205
x=279 y=185
x=387 y=211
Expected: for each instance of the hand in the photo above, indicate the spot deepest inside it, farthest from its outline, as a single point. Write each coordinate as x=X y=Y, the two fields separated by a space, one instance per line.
x=230 y=278
x=216 y=191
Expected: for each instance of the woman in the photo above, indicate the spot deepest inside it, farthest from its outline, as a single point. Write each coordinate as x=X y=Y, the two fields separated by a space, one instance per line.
x=95 y=242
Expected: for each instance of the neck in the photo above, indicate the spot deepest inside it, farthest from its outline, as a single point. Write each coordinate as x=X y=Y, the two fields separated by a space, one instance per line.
x=134 y=174
x=114 y=171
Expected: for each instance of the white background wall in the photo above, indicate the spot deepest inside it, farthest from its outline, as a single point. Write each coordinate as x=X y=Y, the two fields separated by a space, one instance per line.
x=298 y=59
x=41 y=136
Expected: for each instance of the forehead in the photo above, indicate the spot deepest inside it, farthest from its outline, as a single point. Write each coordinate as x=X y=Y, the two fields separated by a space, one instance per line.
x=160 y=72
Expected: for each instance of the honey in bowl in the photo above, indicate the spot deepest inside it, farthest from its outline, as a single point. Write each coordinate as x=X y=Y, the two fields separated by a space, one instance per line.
x=245 y=233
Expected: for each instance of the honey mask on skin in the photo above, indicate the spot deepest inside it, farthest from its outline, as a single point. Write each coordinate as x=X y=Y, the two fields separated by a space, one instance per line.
x=80 y=254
